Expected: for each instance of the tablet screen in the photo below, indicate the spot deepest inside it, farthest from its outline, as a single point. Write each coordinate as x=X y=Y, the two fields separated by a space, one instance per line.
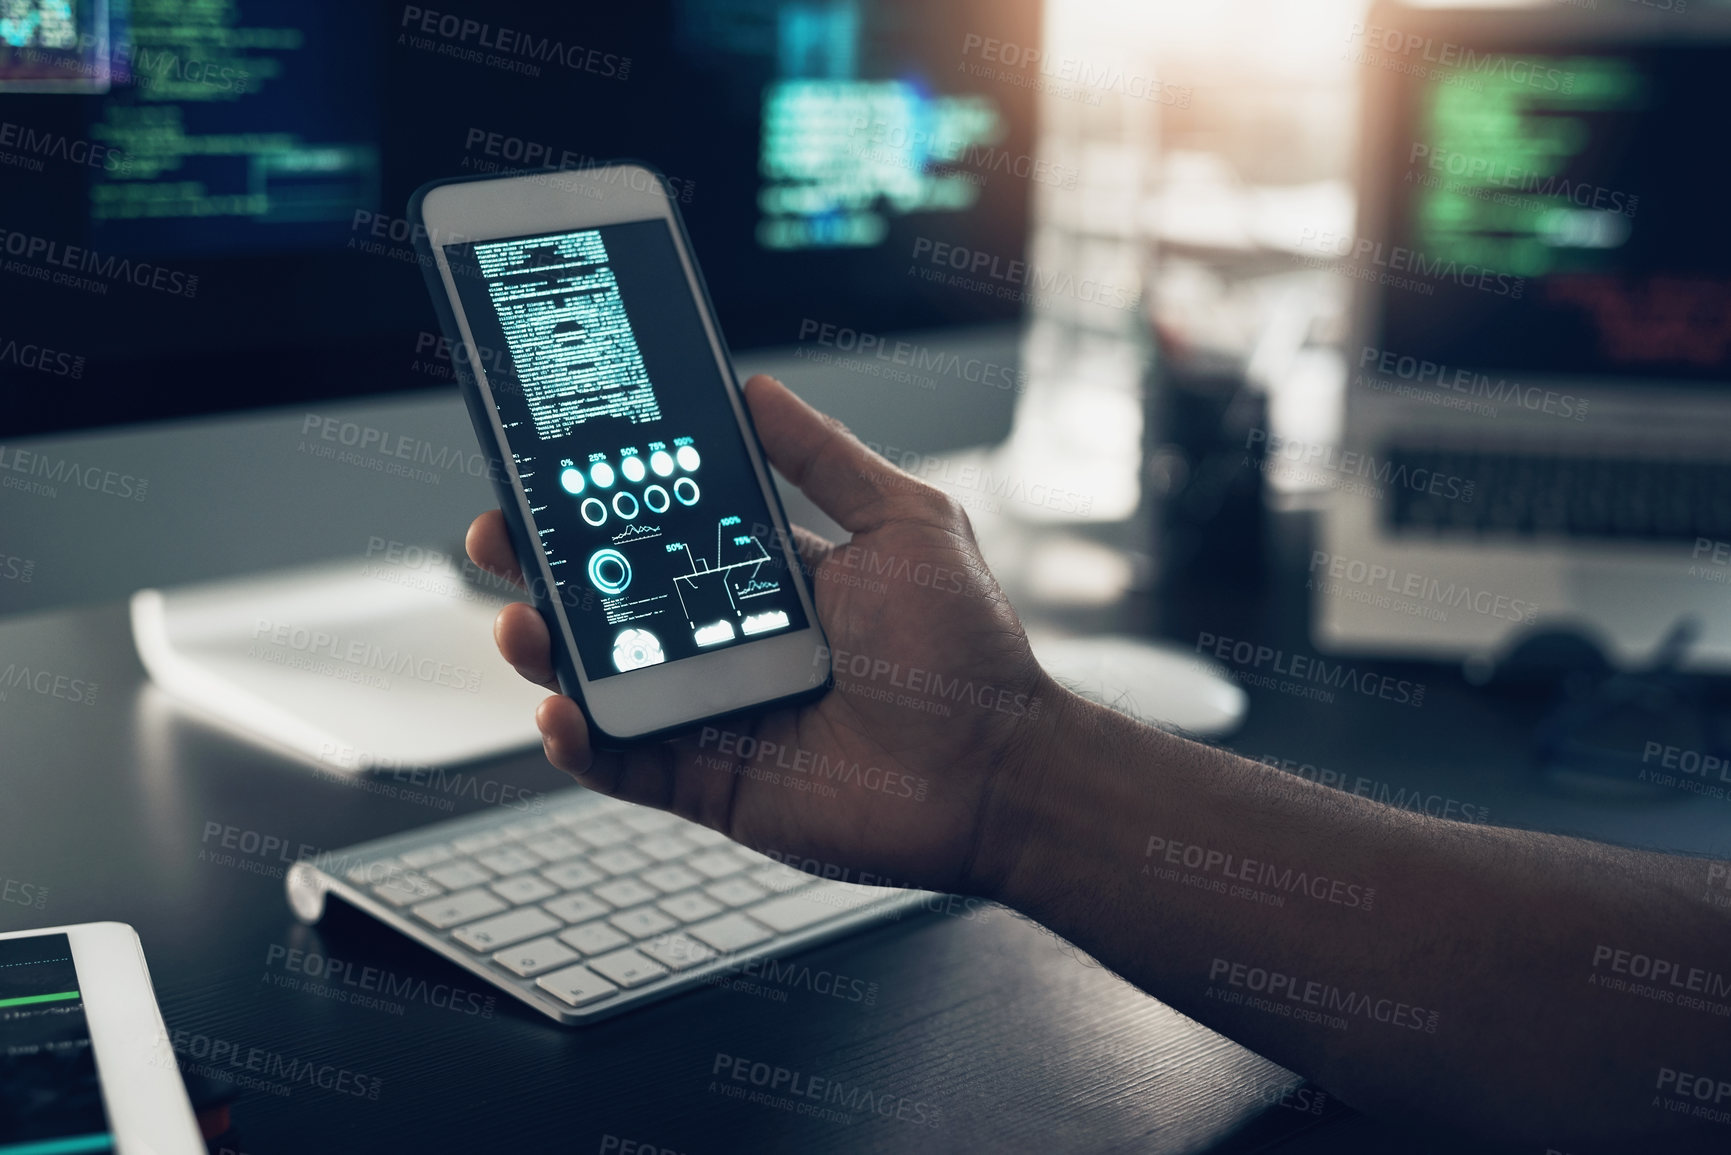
x=50 y=1097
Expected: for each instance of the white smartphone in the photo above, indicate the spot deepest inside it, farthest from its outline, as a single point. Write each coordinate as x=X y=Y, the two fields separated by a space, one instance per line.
x=85 y=1061
x=640 y=507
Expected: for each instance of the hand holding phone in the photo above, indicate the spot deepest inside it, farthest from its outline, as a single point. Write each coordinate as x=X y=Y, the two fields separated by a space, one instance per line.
x=939 y=710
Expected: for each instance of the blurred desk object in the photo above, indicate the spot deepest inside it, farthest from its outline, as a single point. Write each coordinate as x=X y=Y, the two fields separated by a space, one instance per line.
x=1247 y=350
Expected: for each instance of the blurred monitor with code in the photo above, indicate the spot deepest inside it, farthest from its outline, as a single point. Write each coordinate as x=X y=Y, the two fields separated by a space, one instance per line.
x=203 y=205
x=1575 y=179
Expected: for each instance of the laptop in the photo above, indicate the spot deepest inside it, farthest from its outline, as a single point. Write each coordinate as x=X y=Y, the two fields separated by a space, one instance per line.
x=1538 y=418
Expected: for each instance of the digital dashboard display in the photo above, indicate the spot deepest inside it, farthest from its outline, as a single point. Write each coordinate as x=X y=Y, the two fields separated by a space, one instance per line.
x=643 y=495
x=50 y=1096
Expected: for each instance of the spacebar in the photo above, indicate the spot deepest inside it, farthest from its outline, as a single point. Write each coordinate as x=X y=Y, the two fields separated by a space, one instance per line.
x=812 y=906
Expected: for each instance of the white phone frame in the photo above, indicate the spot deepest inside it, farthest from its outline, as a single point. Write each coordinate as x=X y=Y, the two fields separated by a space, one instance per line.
x=142 y=1091
x=674 y=695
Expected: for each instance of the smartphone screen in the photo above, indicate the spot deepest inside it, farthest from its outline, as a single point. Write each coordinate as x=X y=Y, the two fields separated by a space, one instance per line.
x=50 y=1096
x=656 y=531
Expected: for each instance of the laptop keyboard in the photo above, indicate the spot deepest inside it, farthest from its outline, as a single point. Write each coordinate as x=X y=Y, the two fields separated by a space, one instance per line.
x=1580 y=496
x=593 y=906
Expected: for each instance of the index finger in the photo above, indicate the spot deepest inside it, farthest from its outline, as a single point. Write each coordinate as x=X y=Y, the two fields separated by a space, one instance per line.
x=489 y=546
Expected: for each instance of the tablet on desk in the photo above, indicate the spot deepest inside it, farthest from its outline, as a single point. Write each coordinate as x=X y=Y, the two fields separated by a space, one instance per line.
x=85 y=1061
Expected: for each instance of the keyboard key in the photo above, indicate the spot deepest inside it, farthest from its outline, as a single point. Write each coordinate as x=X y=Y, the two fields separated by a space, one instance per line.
x=620 y=860
x=459 y=874
x=671 y=878
x=627 y=968
x=456 y=908
x=571 y=875
x=730 y=932
x=642 y=921
x=690 y=907
x=1532 y=491
x=526 y=960
x=716 y=864
x=523 y=888
x=676 y=951
x=576 y=985
x=365 y=872
x=505 y=929
x=508 y=860
x=665 y=847
x=577 y=907
x=527 y=828
x=593 y=938
x=647 y=821
x=625 y=892
x=601 y=835
x=780 y=879
x=703 y=835
x=471 y=843
x=736 y=892
x=426 y=856
x=554 y=847
x=402 y=889
x=796 y=911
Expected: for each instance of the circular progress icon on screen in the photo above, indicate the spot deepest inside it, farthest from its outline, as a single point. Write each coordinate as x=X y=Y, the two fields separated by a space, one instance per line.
x=609 y=573
x=633 y=649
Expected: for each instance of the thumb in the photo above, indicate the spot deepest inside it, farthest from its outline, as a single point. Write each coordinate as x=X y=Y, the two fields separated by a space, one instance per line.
x=815 y=452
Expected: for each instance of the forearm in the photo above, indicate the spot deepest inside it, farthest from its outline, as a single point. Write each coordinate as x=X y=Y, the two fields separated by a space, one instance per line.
x=1407 y=964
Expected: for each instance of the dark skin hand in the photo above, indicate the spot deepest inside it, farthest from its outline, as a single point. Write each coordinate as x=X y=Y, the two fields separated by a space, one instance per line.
x=971 y=635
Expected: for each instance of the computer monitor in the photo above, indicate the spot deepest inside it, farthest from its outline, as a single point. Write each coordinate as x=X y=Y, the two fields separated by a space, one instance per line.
x=1540 y=200
x=204 y=205
x=1540 y=371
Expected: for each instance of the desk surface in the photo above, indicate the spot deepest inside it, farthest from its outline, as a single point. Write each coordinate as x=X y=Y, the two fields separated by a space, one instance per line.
x=119 y=809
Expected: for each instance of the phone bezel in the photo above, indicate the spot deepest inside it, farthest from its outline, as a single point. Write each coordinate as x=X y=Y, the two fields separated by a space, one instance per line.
x=661 y=700
x=142 y=1089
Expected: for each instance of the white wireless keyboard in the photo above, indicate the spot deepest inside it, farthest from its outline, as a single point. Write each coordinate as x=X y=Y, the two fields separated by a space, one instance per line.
x=592 y=906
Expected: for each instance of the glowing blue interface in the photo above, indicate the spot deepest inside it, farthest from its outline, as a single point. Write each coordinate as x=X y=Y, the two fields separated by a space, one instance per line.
x=54 y=45
x=841 y=157
x=619 y=423
x=579 y=357
x=855 y=132
x=244 y=128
